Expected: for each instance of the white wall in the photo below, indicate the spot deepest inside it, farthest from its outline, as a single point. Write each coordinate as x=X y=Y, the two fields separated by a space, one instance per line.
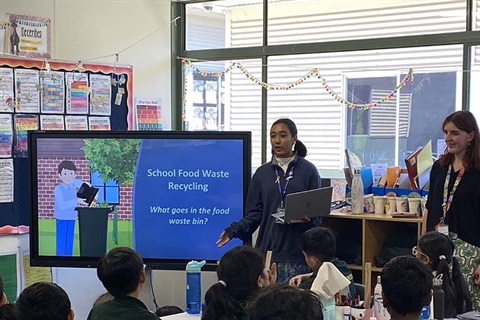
x=85 y=29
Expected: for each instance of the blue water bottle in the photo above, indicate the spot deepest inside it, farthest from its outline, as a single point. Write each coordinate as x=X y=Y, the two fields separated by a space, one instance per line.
x=194 y=286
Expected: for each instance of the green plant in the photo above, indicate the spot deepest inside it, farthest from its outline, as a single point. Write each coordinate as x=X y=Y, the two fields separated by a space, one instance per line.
x=103 y=204
x=114 y=159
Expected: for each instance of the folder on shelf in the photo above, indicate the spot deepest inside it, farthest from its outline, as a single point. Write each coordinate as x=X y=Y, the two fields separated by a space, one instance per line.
x=418 y=164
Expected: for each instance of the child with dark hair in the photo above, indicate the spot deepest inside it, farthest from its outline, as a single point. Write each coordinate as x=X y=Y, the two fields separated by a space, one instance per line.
x=122 y=273
x=241 y=275
x=406 y=287
x=318 y=246
x=43 y=301
x=436 y=251
x=284 y=302
x=168 y=310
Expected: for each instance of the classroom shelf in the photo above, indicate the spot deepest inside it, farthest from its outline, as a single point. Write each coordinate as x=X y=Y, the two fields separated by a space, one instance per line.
x=375 y=228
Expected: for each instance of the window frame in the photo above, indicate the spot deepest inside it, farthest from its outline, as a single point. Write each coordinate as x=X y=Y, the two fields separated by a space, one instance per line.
x=468 y=38
x=104 y=186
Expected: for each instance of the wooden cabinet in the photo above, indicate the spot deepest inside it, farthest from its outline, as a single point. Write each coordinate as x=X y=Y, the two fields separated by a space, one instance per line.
x=375 y=228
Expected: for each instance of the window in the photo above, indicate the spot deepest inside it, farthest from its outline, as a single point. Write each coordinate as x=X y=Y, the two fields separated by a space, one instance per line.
x=377 y=133
x=108 y=191
x=361 y=50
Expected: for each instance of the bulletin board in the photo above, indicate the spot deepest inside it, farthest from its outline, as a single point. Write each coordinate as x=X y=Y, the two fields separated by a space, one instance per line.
x=52 y=95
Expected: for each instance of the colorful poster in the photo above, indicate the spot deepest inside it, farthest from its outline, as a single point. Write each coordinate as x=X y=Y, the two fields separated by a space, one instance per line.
x=23 y=123
x=77 y=92
x=53 y=92
x=76 y=123
x=7 y=99
x=149 y=114
x=27 y=90
x=6 y=135
x=51 y=122
x=98 y=123
x=101 y=95
x=29 y=36
x=6 y=180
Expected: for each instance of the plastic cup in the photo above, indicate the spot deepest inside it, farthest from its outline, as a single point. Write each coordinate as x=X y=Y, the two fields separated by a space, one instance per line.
x=368 y=201
x=402 y=204
x=414 y=205
x=379 y=202
x=390 y=205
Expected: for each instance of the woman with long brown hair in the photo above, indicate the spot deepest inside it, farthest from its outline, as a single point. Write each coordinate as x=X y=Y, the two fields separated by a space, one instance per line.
x=453 y=205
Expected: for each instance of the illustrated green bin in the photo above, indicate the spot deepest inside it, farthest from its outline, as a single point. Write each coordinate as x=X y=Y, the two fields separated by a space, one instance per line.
x=93 y=224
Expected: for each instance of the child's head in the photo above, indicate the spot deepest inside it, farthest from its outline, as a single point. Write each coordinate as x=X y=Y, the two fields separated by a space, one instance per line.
x=436 y=251
x=282 y=301
x=43 y=300
x=433 y=247
x=318 y=245
x=241 y=274
x=121 y=271
x=406 y=286
x=167 y=311
x=67 y=171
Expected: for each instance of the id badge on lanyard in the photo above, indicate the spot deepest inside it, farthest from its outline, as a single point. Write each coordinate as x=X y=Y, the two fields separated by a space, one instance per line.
x=442 y=227
x=283 y=192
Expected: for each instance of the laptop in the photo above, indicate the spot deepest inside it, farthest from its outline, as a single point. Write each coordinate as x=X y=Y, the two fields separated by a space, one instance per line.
x=306 y=204
x=471 y=315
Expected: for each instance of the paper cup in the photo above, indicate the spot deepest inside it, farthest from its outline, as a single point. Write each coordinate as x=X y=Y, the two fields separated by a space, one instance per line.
x=379 y=202
x=402 y=204
x=414 y=205
x=368 y=201
x=390 y=205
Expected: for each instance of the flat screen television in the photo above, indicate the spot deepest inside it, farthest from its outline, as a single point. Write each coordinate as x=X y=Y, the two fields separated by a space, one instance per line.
x=166 y=194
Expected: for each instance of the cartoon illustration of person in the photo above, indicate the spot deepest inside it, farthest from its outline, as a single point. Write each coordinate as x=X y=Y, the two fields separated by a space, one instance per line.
x=64 y=208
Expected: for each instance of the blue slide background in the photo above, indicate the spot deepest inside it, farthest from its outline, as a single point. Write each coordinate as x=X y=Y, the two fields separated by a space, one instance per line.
x=154 y=235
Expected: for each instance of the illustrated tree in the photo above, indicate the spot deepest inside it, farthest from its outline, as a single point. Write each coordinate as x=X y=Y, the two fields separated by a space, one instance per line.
x=114 y=159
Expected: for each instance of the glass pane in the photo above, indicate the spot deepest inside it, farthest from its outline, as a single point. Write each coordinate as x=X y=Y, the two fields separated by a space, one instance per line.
x=327 y=125
x=112 y=195
x=111 y=183
x=210 y=24
x=223 y=96
x=476 y=18
x=372 y=133
x=475 y=83
x=333 y=20
x=95 y=179
x=101 y=195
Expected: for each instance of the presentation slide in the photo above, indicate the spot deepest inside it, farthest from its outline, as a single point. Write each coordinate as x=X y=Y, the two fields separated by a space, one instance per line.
x=185 y=192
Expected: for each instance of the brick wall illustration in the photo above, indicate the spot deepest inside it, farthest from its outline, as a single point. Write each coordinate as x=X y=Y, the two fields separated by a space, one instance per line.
x=48 y=178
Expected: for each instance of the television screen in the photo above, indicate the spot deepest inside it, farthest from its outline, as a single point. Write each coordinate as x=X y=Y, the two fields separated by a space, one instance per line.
x=166 y=194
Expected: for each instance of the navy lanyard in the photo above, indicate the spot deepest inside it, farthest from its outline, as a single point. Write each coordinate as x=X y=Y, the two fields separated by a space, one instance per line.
x=287 y=180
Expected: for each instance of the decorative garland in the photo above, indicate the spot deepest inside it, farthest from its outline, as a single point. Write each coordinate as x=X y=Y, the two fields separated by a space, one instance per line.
x=187 y=64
